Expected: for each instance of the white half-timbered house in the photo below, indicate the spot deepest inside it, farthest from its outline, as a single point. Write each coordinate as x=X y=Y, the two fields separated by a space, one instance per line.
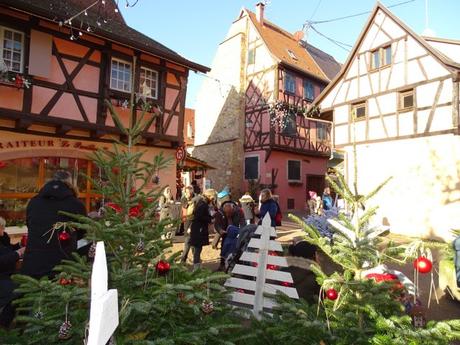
x=397 y=98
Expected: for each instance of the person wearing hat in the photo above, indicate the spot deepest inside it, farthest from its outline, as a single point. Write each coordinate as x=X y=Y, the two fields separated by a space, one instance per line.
x=302 y=256
x=199 y=233
x=44 y=249
x=247 y=205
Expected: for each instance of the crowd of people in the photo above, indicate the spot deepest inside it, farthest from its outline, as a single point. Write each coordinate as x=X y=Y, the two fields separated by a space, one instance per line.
x=201 y=212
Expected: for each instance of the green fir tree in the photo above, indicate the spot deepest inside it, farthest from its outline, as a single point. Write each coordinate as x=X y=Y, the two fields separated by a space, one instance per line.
x=173 y=307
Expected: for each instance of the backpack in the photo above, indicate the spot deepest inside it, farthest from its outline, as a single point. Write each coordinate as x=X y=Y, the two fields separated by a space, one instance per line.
x=278 y=216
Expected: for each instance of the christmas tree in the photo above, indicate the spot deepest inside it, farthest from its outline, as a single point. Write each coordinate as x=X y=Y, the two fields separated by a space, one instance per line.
x=160 y=302
x=354 y=306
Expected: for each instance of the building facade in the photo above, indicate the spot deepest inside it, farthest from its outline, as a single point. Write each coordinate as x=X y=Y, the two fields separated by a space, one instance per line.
x=397 y=98
x=257 y=69
x=56 y=76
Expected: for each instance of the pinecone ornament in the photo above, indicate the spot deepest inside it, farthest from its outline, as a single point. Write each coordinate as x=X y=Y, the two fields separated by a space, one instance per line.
x=38 y=315
x=207 y=307
x=65 y=330
x=140 y=246
x=92 y=251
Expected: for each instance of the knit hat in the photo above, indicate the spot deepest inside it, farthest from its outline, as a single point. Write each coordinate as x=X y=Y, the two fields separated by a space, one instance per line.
x=246 y=199
x=303 y=249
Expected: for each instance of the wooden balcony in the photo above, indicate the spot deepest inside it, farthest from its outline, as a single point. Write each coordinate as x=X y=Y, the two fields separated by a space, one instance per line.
x=297 y=134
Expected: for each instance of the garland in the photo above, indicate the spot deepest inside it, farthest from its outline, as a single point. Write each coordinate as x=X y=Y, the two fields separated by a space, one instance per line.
x=280 y=112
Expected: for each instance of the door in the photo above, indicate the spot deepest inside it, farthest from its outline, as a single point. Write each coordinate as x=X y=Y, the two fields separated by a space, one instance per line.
x=315 y=183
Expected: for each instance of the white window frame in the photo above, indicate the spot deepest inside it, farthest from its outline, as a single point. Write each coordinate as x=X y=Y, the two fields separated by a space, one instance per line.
x=2 y=39
x=130 y=75
x=258 y=166
x=289 y=75
x=287 y=170
x=154 y=72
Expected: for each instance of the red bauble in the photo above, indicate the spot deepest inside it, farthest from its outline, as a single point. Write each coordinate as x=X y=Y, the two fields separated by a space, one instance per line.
x=115 y=170
x=162 y=267
x=332 y=294
x=135 y=211
x=3 y=164
x=423 y=265
x=64 y=236
x=64 y=281
x=24 y=240
x=114 y=207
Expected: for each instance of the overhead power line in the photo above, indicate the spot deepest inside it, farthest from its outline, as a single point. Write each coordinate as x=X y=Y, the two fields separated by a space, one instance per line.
x=356 y=14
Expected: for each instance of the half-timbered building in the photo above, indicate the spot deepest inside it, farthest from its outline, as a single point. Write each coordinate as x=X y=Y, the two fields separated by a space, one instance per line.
x=258 y=66
x=397 y=98
x=60 y=61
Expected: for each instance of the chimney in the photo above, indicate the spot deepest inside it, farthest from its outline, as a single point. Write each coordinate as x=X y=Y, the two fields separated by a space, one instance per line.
x=260 y=8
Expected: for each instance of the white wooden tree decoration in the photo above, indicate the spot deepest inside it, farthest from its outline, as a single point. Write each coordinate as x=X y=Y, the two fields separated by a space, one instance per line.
x=257 y=276
x=103 y=318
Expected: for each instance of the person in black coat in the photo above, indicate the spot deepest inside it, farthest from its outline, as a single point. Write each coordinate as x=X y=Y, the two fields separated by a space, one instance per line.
x=199 y=235
x=9 y=256
x=44 y=249
x=302 y=256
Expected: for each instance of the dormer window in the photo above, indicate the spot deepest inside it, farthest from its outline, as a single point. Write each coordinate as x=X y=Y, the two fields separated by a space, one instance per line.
x=292 y=55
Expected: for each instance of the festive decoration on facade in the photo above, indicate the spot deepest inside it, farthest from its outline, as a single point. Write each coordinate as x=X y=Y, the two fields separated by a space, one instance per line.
x=282 y=113
x=14 y=79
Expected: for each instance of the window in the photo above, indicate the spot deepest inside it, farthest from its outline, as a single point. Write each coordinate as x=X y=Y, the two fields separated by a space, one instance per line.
x=386 y=55
x=292 y=55
x=381 y=57
x=321 y=131
x=294 y=170
x=148 y=83
x=406 y=99
x=290 y=204
x=120 y=75
x=251 y=56
x=308 y=90
x=289 y=124
x=358 y=110
x=12 y=49
x=251 y=168
x=375 y=59
x=289 y=83
x=189 y=130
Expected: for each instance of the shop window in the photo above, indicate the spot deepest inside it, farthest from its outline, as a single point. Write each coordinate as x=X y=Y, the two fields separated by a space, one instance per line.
x=148 y=83
x=21 y=179
x=12 y=49
x=289 y=83
x=251 y=168
x=120 y=75
x=308 y=90
x=293 y=167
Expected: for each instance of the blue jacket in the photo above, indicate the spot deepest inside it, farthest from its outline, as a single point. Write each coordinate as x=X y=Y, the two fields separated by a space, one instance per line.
x=271 y=207
x=229 y=245
x=327 y=202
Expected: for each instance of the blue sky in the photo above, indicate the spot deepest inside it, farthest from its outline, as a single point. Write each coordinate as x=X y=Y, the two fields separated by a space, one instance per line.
x=195 y=28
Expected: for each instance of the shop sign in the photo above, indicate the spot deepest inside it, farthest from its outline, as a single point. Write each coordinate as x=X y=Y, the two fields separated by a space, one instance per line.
x=55 y=143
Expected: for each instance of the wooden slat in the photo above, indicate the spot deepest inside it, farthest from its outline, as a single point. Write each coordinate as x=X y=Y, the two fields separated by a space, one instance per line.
x=260 y=230
x=279 y=276
x=245 y=270
x=271 y=259
x=243 y=298
x=239 y=283
x=273 y=245
x=273 y=289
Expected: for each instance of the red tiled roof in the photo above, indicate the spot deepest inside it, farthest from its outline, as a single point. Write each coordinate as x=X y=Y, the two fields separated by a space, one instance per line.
x=279 y=42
